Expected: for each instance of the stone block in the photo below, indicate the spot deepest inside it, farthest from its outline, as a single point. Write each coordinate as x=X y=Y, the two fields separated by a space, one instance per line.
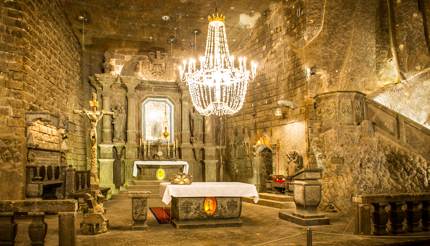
x=139 y=212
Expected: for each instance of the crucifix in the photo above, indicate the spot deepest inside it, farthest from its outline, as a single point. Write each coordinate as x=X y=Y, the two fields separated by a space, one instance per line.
x=94 y=117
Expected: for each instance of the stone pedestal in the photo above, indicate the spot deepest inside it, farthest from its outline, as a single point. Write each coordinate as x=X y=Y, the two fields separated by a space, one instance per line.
x=106 y=175
x=307 y=197
x=66 y=228
x=139 y=211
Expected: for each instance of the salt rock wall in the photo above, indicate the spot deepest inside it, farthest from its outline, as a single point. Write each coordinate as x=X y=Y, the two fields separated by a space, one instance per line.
x=356 y=161
x=39 y=72
x=357 y=155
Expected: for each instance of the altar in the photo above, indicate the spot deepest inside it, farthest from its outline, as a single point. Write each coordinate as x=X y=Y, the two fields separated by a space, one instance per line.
x=141 y=164
x=210 y=204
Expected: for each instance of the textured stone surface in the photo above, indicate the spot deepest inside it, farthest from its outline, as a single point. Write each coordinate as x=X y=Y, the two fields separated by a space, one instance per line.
x=39 y=71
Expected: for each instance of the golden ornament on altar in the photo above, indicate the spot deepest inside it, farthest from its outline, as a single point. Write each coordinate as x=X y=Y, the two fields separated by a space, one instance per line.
x=182 y=179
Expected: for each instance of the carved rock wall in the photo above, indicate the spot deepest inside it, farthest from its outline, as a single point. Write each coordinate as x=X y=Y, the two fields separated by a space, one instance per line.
x=361 y=152
x=356 y=161
x=39 y=71
x=280 y=76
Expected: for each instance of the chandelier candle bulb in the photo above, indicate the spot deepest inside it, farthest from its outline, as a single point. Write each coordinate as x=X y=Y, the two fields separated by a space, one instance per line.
x=217 y=86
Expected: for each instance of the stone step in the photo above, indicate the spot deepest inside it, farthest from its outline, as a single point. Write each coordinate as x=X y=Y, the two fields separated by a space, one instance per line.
x=124 y=195
x=120 y=195
x=270 y=203
x=145 y=182
x=144 y=187
x=276 y=197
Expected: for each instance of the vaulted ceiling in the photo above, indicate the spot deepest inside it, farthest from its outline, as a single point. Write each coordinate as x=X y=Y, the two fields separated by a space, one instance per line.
x=155 y=23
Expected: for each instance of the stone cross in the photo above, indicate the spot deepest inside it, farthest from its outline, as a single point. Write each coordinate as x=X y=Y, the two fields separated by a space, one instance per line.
x=94 y=117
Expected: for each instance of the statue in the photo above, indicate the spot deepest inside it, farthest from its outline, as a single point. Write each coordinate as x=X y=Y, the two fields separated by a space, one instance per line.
x=94 y=117
x=294 y=158
x=95 y=221
x=118 y=121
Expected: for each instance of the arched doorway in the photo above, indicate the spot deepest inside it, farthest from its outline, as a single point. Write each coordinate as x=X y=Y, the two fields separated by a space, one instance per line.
x=263 y=166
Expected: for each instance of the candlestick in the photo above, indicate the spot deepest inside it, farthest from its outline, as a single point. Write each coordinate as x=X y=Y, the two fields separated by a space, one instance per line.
x=168 y=148
x=144 y=150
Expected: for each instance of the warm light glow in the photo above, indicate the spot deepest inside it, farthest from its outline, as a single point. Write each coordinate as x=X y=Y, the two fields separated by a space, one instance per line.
x=218 y=86
x=161 y=174
x=210 y=205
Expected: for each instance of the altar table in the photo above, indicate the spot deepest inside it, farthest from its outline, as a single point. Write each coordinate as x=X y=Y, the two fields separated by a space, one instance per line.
x=159 y=163
x=206 y=203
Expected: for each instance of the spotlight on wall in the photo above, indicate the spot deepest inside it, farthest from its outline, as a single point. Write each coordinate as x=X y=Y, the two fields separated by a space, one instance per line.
x=309 y=71
x=280 y=111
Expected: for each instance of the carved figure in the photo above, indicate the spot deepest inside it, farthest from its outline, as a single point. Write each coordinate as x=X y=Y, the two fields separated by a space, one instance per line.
x=118 y=121
x=294 y=158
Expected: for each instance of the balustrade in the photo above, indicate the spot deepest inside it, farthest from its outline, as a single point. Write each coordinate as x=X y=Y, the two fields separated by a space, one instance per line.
x=382 y=214
x=36 y=209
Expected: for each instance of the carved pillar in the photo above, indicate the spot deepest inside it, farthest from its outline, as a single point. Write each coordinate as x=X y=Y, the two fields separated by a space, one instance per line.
x=70 y=181
x=139 y=212
x=7 y=229
x=37 y=229
x=413 y=215
x=396 y=217
x=210 y=151
x=426 y=215
x=131 y=118
x=379 y=219
x=107 y=120
x=66 y=229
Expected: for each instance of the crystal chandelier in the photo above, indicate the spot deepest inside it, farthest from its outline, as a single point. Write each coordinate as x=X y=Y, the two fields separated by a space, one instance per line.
x=217 y=87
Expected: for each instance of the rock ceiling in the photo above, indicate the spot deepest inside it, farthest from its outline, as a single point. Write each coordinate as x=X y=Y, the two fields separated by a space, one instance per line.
x=153 y=23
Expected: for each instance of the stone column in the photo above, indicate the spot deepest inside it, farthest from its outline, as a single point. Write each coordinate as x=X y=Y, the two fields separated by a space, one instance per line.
x=107 y=120
x=70 y=181
x=8 y=228
x=186 y=147
x=132 y=115
x=139 y=212
x=131 y=118
x=210 y=151
x=66 y=229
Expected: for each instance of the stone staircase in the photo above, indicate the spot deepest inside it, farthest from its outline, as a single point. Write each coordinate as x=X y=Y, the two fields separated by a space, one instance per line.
x=273 y=200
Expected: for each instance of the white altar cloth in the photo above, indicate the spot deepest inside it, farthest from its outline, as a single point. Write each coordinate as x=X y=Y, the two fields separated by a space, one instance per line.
x=159 y=163
x=208 y=189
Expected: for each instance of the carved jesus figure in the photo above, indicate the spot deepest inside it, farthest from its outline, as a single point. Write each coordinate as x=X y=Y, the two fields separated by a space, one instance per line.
x=94 y=117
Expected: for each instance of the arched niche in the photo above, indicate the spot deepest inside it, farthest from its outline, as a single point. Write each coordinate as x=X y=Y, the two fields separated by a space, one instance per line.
x=157 y=116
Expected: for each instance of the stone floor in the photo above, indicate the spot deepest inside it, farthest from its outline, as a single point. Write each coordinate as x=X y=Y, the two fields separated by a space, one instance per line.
x=261 y=226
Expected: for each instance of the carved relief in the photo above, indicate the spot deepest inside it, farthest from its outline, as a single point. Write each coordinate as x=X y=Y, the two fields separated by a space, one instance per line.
x=139 y=208
x=345 y=111
x=152 y=65
x=118 y=122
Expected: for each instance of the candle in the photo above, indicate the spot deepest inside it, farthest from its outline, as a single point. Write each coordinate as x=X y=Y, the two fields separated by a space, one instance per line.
x=149 y=149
